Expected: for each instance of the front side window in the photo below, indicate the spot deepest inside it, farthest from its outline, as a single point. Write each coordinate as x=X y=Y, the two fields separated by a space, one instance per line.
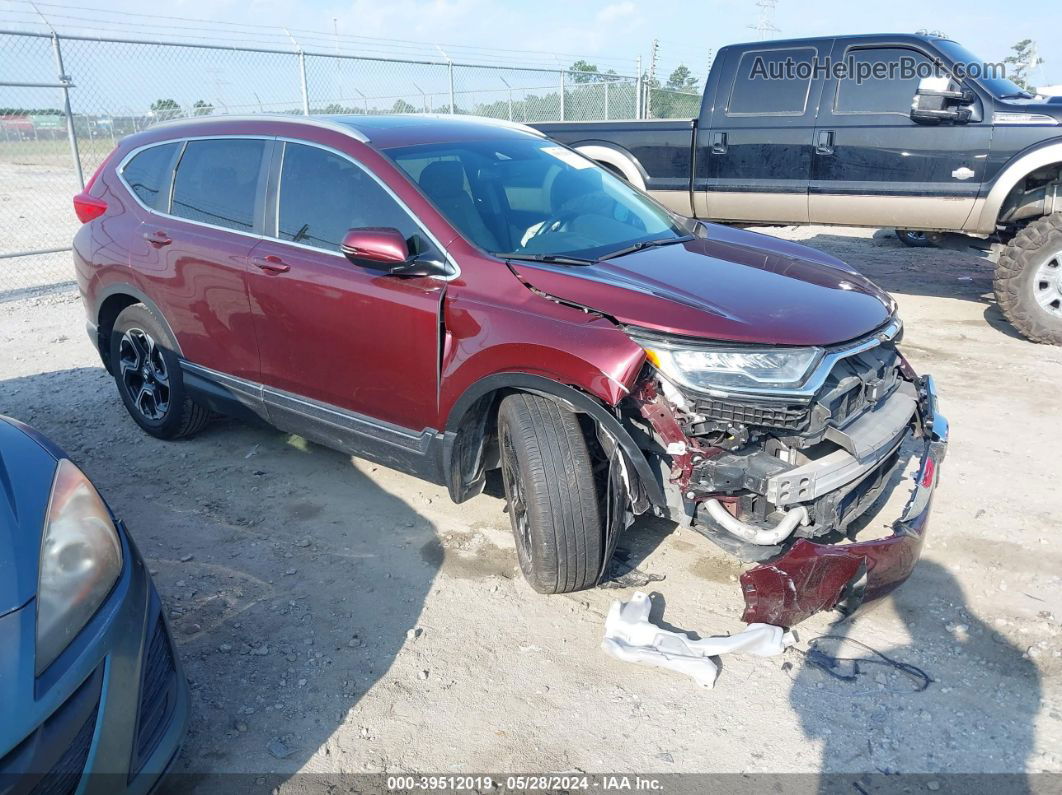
x=148 y=175
x=882 y=80
x=217 y=182
x=528 y=196
x=322 y=195
x=772 y=83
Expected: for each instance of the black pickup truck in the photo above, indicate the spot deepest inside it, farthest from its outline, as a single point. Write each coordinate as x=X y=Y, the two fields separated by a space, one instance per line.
x=912 y=132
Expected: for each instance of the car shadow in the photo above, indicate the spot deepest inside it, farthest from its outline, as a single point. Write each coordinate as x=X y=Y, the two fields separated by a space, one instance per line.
x=291 y=580
x=873 y=723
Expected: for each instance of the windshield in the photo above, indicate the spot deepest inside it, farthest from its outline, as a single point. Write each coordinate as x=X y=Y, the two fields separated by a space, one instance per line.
x=533 y=198
x=988 y=75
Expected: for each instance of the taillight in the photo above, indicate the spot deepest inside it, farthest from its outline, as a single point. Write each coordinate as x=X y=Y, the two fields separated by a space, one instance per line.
x=86 y=207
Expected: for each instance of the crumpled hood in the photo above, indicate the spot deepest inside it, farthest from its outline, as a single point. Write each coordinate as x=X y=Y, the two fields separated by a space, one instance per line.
x=27 y=466
x=733 y=286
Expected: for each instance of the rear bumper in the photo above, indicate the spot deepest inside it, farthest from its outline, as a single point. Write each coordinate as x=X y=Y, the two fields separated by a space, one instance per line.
x=809 y=578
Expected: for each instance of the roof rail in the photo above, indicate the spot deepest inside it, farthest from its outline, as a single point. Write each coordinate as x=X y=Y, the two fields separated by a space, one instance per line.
x=316 y=121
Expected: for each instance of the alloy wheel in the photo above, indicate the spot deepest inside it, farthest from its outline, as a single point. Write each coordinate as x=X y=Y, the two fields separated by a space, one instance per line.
x=144 y=374
x=514 y=491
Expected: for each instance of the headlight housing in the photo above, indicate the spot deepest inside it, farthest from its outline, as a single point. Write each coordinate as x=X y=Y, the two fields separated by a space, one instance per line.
x=711 y=368
x=81 y=559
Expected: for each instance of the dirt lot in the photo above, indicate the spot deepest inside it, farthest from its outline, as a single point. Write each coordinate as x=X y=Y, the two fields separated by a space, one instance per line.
x=333 y=615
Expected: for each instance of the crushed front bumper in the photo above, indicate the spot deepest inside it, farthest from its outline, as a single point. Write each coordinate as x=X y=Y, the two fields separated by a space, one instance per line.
x=809 y=577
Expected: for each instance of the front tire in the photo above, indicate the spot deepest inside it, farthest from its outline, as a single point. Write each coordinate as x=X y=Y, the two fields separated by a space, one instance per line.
x=1028 y=280
x=554 y=506
x=148 y=375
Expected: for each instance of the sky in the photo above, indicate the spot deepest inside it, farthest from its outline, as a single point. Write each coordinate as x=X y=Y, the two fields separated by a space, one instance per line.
x=545 y=33
x=614 y=32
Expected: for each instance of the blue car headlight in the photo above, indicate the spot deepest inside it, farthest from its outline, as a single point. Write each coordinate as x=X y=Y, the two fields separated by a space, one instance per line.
x=81 y=559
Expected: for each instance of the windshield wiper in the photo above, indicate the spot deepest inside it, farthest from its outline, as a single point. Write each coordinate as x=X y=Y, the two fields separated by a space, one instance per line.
x=1017 y=95
x=666 y=241
x=552 y=259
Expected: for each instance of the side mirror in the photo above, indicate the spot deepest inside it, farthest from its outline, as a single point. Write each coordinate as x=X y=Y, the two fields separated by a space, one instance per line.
x=936 y=102
x=384 y=248
x=373 y=247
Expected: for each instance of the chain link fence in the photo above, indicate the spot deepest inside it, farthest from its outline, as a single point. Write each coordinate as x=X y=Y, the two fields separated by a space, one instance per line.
x=65 y=101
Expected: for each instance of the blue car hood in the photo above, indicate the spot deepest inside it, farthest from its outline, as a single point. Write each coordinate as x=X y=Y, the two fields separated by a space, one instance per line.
x=27 y=466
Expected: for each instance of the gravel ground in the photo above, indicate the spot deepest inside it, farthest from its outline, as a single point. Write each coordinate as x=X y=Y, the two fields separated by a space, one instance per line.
x=334 y=615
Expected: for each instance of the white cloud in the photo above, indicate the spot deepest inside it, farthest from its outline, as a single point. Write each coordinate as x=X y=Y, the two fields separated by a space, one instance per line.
x=616 y=12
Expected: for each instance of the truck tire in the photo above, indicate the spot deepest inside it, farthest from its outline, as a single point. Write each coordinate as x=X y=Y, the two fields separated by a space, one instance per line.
x=553 y=504
x=914 y=238
x=148 y=376
x=1028 y=280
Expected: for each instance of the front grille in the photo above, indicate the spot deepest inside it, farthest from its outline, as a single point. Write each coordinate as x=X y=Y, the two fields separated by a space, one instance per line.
x=767 y=415
x=158 y=695
x=65 y=776
x=51 y=760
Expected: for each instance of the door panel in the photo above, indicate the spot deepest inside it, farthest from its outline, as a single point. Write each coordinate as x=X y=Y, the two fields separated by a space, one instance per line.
x=757 y=150
x=196 y=273
x=884 y=169
x=332 y=331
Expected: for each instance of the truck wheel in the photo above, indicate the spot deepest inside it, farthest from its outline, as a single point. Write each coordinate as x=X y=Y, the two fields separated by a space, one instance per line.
x=1028 y=280
x=148 y=376
x=549 y=485
x=913 y=238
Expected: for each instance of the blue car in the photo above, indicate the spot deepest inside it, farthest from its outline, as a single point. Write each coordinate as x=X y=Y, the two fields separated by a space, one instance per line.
x=92 y=697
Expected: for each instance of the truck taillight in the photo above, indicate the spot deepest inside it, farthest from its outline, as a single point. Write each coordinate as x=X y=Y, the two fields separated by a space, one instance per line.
x=87 y=207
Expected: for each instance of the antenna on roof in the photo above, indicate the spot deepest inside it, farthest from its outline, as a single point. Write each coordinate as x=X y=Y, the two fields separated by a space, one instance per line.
x=765 y=20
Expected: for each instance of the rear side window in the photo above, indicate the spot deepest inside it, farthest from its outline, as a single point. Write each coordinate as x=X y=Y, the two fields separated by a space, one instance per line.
x=148 y=175
x=217 y=182
x=772 y=83
x=894 y=74
x=322 y=195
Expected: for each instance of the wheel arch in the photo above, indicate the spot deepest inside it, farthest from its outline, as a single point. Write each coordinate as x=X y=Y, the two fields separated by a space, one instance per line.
x=472 y=420
x=110 y=303
x=618 y=158
x=1020 y=167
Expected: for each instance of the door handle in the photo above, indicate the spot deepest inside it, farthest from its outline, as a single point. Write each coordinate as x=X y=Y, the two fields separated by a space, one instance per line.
x=158 y=238
x=824 y=142
x=271 y=264
x=719 y=143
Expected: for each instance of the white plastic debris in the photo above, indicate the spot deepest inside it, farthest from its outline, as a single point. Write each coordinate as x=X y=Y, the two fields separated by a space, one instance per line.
x=630 y=637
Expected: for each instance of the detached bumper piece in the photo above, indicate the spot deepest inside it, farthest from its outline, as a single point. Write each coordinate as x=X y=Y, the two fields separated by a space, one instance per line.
x=810 y=577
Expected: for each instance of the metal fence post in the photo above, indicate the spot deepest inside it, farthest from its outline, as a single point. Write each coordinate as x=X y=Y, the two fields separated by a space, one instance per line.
x=562 y=95
x=606 y=100
x=450 y=70
x=638 y=91
x=71 y=133
x=305 y=89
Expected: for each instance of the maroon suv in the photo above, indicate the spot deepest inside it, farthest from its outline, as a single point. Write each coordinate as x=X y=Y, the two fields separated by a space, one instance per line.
x=449 y=296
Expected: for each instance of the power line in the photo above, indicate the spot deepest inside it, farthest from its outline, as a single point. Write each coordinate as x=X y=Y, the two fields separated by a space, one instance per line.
x=208 y=29
x=765 y=20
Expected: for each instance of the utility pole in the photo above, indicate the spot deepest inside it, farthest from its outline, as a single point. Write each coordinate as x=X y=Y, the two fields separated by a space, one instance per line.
x=765 y=20
x=652 y=78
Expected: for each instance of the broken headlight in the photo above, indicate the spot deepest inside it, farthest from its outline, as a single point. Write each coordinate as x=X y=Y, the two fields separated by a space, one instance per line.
x=720 y=367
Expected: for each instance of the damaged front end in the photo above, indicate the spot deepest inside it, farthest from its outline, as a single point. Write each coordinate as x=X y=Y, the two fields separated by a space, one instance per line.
x=782 y=456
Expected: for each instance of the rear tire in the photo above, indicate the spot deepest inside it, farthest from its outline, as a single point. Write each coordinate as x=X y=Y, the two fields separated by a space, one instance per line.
x=1028 y=280
x=554 y=507
x=148 y=375
x=914 y=238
